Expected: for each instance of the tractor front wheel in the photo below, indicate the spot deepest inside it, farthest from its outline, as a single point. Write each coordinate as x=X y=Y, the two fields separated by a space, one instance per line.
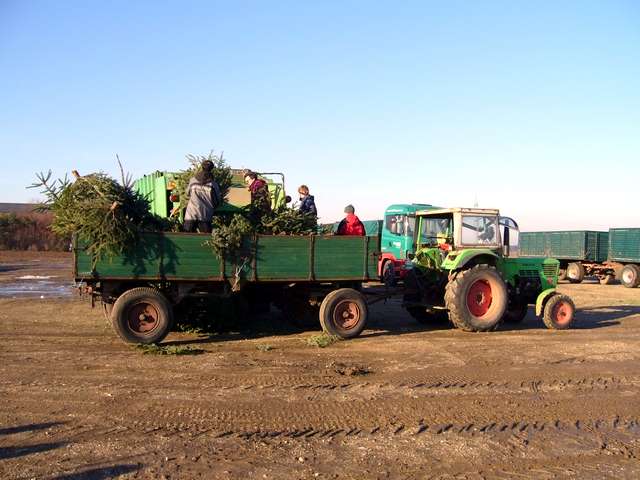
x=558 y=312
x=476 y=299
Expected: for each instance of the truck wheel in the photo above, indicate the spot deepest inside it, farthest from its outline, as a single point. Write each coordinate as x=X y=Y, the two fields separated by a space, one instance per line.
x=476 y=299
x=344 y=313
x=630 y=276
x=389 y=274
x=142 y=315
x=607 y=279
x=558 y=312
x=575 y=272
x=516 y=311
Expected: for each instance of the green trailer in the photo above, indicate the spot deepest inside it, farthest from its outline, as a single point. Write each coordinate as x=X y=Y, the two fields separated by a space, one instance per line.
x=624 y=255
x=581 y=252
x=313 y=275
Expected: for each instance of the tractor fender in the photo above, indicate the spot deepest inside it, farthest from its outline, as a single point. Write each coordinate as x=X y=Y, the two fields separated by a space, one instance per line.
x=542 y=299
x=457 y=260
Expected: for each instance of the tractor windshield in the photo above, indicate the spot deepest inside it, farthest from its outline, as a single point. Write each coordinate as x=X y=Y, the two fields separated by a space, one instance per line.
x=479 y=230
x=435 y=231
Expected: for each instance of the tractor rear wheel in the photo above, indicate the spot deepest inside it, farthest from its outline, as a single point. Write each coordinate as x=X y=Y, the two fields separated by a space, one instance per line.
x=344 y=313
x=575 y=272
x=630 y=276
x=558 y=312
x=476 y=299
x=142 y=315
x=562 y=274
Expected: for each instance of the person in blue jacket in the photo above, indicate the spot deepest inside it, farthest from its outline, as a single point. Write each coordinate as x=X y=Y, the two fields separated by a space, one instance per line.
x=307 y=202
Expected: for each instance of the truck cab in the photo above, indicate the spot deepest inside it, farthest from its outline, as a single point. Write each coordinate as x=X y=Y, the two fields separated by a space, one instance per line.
x=397 y=240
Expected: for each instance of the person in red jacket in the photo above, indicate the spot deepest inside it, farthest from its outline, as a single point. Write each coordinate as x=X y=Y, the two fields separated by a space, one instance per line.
x=350 y=224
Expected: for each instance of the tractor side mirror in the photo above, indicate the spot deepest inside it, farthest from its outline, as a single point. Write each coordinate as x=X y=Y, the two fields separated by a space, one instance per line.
x=287 y=199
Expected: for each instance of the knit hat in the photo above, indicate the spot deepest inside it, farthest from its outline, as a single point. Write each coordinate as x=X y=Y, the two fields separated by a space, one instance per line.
x=349 y=209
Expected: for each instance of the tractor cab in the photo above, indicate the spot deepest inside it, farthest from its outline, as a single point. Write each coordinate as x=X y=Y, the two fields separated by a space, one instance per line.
x=452 y=229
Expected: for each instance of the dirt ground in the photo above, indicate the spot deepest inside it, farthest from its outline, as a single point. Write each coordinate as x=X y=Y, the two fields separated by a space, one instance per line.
x=401 y=401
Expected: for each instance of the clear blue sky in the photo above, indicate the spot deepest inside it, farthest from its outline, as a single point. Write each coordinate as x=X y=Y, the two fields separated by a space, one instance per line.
x=531 y=107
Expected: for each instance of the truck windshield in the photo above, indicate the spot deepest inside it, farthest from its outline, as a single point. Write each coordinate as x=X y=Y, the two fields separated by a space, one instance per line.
x=435 y=230
x=401 y=225
x=479 y=230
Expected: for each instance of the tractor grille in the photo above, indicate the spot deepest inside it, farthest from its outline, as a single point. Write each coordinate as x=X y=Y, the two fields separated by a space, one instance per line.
x=550 y=270
x=529 y=274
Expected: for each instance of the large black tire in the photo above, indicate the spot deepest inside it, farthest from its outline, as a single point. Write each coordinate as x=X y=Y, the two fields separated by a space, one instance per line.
x=142 y=315
x=516 y=311
x=559 y=311
x=389 y=274
x=575 y=272
x=476 y=299
x=344 y=313
x=630 y=276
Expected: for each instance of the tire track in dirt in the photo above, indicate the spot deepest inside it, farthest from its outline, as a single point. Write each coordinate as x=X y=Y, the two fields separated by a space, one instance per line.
x=412 y=385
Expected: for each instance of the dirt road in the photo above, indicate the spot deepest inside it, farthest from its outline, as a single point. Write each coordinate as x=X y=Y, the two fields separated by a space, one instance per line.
x=401 y=401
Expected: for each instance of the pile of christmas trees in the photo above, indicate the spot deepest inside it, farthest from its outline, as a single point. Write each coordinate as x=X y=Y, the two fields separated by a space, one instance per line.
x=108 y=216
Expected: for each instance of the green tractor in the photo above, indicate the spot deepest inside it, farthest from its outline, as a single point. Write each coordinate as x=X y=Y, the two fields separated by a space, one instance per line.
x=466 y=265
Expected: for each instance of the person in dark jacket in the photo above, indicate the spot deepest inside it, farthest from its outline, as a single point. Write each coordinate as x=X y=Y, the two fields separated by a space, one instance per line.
x=351 y=224
x=204 y=197
x=307 y=202
x=260 y=197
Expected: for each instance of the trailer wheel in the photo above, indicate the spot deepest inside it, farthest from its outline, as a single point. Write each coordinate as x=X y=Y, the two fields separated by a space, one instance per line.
x=142 y=315
x=608 y=279
x=344 y=313
x=558 y=312
x=389 y=274
x=562 y=274
x=630 y=276
x=575 y=272
x=476 y=299
x=516 y=311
